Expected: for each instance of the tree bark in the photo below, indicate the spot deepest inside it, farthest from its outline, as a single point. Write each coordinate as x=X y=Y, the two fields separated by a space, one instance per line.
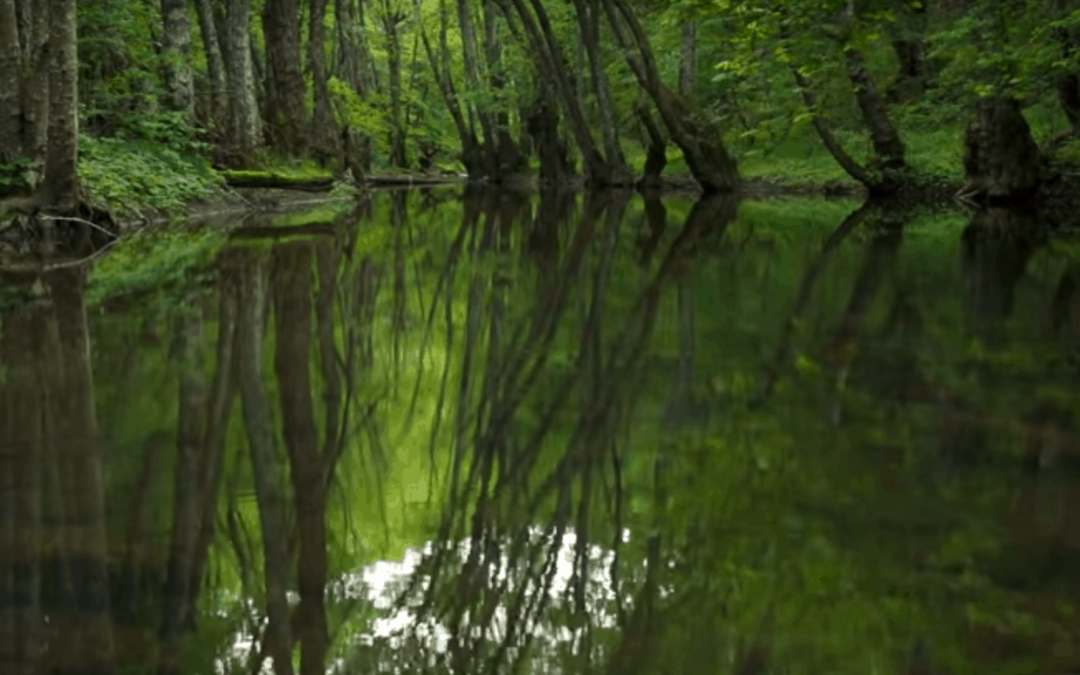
x=215 y=63
x=176 y=48
x=245 y=124
x=285 y=114
x=267 y=469
x=61 y=183
x=11 y=70
x=292 y=290
x=324 y=138
x=1001 y=158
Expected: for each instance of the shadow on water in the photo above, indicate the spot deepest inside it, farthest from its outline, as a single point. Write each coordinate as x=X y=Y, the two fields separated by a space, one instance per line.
x=508 y=432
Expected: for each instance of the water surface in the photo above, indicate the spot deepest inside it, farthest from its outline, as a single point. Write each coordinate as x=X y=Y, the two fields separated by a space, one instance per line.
x=500 y=432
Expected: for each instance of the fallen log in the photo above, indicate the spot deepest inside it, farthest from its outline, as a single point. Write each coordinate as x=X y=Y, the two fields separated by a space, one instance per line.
x=269 y=180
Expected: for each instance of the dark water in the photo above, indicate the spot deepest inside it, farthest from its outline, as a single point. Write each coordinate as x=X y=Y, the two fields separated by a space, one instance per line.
x=547 y=435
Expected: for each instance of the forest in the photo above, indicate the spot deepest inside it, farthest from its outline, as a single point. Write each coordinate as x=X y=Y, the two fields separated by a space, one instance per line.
x=973 y=97
x=588 y=337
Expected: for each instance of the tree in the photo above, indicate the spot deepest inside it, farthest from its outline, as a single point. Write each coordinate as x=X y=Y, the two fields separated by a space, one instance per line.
x=284 y=106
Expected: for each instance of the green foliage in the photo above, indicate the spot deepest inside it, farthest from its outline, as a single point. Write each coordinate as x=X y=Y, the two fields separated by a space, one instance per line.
x=13 y=175
x=159 y=262
x=129 y=175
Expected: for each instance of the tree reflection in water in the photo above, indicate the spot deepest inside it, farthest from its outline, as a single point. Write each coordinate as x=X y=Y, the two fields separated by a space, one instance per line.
x=603 y=434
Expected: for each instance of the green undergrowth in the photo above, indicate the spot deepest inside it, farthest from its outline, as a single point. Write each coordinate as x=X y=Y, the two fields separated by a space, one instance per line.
x=154 y=261
x=133 y=176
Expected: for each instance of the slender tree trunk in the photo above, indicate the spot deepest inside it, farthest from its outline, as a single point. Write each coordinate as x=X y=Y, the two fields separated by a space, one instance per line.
x=191 y=423
x=688 y=59
x=391 y=21
x=215 y=63
x=292 y=361
x=245 y=125
x=349 y=53
x=511 y=160
x=324 y=138
x=588 y=13
x=11 y=71
x=61 y=182
x=469 y=48
x=267 y=469
x=285 y=114
x=176 y=48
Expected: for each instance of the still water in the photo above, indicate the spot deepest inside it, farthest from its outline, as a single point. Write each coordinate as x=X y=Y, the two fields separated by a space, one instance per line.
x=510 y=433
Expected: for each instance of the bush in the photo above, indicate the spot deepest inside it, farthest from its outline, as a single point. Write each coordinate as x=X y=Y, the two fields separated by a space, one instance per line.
x=131 y=175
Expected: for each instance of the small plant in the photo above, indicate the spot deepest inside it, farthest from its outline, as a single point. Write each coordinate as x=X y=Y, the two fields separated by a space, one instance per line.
x=128 y=175
x=13 y=175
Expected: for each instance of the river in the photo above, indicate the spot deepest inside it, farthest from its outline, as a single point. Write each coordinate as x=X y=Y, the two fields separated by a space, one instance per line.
x=464 y=431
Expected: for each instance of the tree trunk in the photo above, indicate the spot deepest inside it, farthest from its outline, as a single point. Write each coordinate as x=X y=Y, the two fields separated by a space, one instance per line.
x=11 y=70
x=589 y=21
x=292 y=360
x=285 y=114
x=553 y=68
x=245 y=125
x=324 y=138
x=542 y=124
x=176 y=48
x=266 y=468
x=469 y=48
x=190 y=426
x=511 y=159
x=888 y=148
x=708 y=159
x=215 y=64
x=1001 y=158
x=391 y=20
x=656 y=150
x=61 y=183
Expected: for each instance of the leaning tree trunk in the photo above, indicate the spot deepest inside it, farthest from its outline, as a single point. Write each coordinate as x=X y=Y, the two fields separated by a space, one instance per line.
x=1001 y=158
x=176 y=48
x=888 y=148
x=589 y=21
x=285 y=90
x=713 y=168
x=552 y=67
